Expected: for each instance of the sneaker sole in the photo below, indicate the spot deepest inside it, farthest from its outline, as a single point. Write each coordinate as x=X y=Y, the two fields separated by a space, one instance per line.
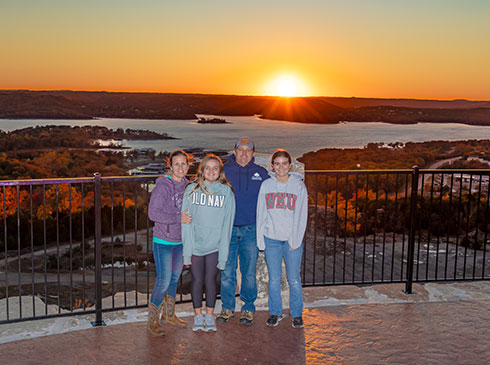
x=246 y=322
x=198 y=329
x=223 y=320
x=210 y=329
x=298 y=326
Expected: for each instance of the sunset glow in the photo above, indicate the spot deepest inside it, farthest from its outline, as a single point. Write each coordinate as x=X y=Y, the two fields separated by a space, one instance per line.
x=286 y=87
x=377 y=48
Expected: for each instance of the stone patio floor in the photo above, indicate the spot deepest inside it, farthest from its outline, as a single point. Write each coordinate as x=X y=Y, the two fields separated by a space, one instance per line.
x=441 y=323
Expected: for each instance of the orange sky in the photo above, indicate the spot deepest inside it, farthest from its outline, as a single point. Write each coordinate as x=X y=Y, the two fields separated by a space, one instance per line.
x=378 y=48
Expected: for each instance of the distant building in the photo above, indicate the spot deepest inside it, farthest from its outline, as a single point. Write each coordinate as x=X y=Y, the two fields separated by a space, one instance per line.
x=464 y=181
x=154 y=168
x=145 y=150
x=458 y=182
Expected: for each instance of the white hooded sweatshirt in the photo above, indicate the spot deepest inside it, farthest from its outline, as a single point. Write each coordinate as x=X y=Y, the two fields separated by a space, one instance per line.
x=282 y=211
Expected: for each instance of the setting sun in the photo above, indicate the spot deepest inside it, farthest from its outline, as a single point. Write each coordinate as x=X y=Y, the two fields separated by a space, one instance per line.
x=286 y=87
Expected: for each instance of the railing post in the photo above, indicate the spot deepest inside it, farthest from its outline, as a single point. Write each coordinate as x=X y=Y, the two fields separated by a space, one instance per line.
x=98 y=252
x=411 y=233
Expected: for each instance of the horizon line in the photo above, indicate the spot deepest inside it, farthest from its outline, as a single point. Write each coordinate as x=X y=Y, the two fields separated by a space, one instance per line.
x=248 y=95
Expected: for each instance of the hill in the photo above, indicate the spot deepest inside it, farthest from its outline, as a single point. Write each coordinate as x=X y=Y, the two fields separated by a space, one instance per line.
x=20 y=104
x=377 y=156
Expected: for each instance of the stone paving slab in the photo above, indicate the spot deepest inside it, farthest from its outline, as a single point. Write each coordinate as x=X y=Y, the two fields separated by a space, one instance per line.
x=408 y=333
x=313 y=297
x=400 y=333
x=439 y=323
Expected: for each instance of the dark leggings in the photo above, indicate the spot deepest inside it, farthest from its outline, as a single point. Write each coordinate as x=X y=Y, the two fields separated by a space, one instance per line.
x=204 y=272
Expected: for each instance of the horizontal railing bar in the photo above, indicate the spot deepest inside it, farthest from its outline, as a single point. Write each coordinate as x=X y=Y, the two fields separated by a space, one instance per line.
x=76 y=180
x=370 y=283
x=131 y=178
x=67 y=314
x=454 y=171
x=46 y=181
x=358 y=283
x=402 y=171
x=313 y=172
x=354 y=172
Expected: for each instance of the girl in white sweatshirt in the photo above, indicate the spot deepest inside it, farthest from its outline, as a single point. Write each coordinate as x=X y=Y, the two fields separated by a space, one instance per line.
x=282 y=210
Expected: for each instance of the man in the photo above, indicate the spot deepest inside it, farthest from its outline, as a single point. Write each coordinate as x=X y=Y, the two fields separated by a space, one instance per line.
x=246 y=178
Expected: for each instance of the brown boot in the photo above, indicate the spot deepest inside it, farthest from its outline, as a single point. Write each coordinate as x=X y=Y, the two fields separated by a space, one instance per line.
x=153 y=325
x=168 y=313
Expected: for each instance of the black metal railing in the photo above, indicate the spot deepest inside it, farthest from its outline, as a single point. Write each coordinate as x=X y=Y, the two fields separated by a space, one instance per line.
x=74 y=246
x=83 y=245
x=396 y=226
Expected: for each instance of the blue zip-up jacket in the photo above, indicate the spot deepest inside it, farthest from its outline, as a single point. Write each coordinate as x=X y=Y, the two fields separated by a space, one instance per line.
x=246 y=181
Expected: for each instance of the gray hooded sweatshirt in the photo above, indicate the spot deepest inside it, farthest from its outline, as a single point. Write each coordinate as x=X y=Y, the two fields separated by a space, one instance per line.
x=282 y=211
x=212 y=222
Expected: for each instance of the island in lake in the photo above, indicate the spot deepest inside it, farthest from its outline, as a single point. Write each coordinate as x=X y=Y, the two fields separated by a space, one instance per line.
x=202 y=120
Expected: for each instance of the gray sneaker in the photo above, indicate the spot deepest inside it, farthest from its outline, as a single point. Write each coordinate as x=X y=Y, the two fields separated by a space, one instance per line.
x=209 y=325
x=198 y=323
x=273 y=320
x=298 y=322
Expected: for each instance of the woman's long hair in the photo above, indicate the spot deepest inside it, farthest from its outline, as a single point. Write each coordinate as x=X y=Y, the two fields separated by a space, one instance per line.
x=199 y=178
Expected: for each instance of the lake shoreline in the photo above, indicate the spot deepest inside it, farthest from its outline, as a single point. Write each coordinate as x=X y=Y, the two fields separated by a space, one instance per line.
x=268 y=135
x=479 y=124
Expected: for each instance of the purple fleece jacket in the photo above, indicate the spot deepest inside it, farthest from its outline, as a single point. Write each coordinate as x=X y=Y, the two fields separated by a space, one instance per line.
x=165 y=208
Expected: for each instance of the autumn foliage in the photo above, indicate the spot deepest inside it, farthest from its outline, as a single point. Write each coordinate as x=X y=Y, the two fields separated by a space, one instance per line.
x=58 y=211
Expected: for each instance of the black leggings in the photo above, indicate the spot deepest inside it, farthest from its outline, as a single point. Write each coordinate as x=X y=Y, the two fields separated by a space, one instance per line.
x=204 y=272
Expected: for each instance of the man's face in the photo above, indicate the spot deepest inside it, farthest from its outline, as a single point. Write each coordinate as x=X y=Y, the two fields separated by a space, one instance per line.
x=243 y=155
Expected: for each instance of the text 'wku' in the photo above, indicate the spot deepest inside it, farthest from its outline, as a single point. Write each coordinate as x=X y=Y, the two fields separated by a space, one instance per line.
x=280 y=201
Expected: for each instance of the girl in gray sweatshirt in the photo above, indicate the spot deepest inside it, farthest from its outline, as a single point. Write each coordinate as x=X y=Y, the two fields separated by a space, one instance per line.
x=282 y=210
x=211 y=202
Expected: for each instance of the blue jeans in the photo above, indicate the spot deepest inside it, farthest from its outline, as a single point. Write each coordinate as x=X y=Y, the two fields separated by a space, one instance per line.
x=274 y=253
x=168 y=262
x=244 y=245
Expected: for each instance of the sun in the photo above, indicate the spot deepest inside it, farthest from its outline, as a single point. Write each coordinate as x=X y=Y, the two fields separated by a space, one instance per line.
x=286 y=87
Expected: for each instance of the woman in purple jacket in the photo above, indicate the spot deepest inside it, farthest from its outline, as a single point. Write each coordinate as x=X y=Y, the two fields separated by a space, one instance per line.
x=165 y=211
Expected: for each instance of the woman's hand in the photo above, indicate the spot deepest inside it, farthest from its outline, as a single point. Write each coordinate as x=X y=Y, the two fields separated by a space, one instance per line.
x=185 y=218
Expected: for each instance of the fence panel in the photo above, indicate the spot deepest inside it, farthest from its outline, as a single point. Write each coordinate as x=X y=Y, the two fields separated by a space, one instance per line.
x=358 y=227
x=45 y=271
x=76 y=246
x=396 y=226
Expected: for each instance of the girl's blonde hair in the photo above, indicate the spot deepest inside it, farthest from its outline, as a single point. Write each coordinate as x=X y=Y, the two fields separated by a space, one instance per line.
x=199 y=178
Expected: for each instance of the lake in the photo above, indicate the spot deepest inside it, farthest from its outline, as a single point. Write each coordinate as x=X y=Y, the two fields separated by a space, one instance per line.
x=268 y=135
